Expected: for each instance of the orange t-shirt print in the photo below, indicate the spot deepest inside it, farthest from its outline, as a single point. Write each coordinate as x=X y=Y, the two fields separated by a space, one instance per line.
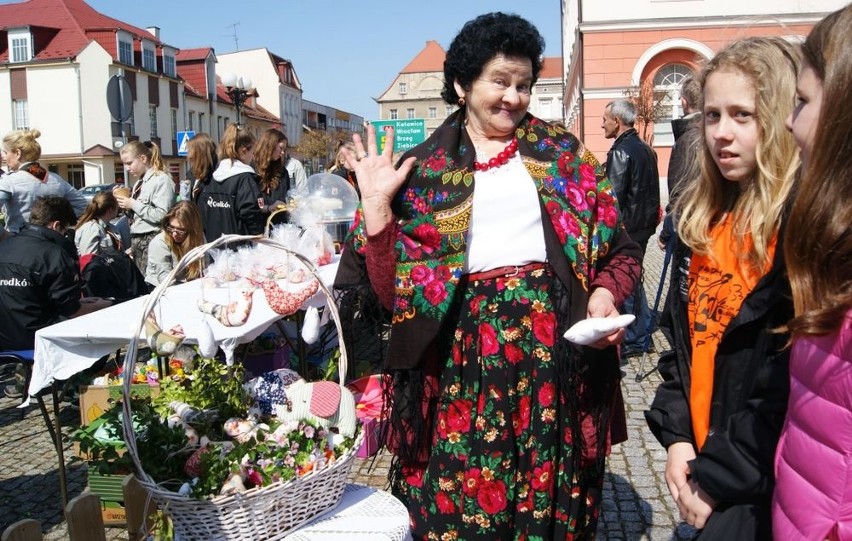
x=717 y=288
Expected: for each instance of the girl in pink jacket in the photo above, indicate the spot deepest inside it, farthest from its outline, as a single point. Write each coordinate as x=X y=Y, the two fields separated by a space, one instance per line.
x=813 y=465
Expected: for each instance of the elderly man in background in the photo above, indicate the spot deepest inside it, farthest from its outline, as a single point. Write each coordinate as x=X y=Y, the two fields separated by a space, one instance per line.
x=631 y=166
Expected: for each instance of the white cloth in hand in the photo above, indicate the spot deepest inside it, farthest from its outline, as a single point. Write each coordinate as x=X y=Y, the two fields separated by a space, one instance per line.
x=589 y=331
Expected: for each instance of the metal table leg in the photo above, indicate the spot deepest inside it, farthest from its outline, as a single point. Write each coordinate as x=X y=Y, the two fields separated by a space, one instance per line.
x=55 y=429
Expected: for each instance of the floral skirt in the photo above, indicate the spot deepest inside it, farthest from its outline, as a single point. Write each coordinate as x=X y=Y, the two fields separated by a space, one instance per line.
x=501 y=461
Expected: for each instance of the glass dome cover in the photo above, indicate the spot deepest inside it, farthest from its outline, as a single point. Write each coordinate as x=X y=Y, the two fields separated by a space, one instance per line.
x=331 y=197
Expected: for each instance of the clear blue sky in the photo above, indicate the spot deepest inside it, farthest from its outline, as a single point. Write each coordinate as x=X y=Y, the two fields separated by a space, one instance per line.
x=345 y=52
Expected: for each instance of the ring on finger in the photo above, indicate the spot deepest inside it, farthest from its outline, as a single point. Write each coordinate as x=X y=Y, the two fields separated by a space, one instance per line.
x=362 y=155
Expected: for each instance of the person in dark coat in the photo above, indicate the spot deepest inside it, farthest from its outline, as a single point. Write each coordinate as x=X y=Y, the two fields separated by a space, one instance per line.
x=272 y=176
x=231 y=203
x=721 y=406
x=683 y=160
x=631 y=166
x=40 y=278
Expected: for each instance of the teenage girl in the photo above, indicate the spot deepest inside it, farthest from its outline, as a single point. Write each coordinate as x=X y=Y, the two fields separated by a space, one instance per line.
x=152 y=196
x=94 y=232
x=721 y=405
x=274 y=181
x=814 y=461
x=182 y=231
x=231 y=203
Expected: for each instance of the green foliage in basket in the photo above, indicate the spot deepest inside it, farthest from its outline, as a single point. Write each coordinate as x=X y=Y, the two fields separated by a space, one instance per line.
x=287 y=451
x=162 y=449
x=212 y=385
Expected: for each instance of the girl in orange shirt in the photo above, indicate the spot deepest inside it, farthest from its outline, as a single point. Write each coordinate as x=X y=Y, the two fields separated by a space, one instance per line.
x=720 y=408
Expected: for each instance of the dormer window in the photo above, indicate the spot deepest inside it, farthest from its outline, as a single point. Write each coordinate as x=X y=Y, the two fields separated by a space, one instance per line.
x=149 y=56
x=125 y=48
x=169 y=63
x=20 y=45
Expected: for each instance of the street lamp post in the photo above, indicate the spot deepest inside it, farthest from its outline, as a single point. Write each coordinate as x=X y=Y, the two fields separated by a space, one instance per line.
x=238 y=88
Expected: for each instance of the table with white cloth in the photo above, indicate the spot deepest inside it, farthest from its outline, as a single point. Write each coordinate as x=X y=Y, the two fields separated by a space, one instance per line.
x=72 y=346
x=363 y=514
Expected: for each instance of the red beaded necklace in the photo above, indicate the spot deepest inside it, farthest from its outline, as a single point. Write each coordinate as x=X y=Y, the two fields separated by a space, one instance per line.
x=502 y=158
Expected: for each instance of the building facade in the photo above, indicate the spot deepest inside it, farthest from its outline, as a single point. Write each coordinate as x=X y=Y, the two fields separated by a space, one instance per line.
x=416 y=90
x=274 y=78
x=56 y=59
x=611 y=49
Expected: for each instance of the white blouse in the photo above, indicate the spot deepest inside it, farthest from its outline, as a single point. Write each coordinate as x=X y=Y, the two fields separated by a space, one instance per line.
x=506 y=224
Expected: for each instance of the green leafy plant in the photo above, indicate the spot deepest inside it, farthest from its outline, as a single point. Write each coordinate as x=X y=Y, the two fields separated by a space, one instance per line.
x=162 y=449
x=212 y=385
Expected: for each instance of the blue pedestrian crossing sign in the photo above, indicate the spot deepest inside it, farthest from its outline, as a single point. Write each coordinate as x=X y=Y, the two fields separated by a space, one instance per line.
x=183 y=138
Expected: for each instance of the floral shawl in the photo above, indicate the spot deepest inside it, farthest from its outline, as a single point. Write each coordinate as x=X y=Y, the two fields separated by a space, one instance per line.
x=434 y=209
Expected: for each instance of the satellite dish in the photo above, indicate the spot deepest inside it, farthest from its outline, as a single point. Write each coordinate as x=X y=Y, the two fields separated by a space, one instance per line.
x=118 y=144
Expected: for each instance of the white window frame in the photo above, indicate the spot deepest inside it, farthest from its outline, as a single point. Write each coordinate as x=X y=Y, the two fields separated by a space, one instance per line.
x=669 y=79
x=450 y=109
x=403 y=88
x=131 y=122
x=409 y=113
x=394 y=114
x=191 y=118
x=546 y=108
x=152 y=118
x=169 y=63
x=20 y=45
x=149 y=56
x=21 y=114
x=76 y=175
x=174 y=120
x=125 y=54
x=433 y=112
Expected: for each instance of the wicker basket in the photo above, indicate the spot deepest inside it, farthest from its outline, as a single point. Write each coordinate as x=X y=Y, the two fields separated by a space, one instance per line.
x=263 y=513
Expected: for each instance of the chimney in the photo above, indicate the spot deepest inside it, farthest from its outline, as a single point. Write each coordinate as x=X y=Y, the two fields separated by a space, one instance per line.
x=154 y=31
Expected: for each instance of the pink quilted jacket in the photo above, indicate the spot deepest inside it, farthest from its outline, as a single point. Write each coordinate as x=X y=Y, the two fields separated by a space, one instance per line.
x=813 y=465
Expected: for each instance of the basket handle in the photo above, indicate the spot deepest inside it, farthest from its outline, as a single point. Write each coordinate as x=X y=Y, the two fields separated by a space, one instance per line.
x=152 y=299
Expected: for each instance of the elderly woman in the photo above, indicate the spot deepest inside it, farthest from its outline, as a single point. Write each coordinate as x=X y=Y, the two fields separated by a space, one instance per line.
x=486 y=243
x=29 y=181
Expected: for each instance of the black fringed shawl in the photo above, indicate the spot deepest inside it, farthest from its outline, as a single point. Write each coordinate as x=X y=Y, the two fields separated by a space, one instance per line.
x=584 y=237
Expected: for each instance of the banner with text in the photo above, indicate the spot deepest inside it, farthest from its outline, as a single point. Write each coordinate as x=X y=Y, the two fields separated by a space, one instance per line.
x=408 y=133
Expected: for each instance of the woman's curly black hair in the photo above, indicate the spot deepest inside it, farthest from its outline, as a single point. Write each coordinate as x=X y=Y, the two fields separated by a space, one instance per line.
x=483 y=38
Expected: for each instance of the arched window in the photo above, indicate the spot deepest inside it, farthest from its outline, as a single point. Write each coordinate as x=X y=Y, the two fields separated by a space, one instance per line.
x=667 y=83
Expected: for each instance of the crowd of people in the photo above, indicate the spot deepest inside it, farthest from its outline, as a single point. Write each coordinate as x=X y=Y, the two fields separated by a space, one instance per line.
x=480 y=247
x=125 y=241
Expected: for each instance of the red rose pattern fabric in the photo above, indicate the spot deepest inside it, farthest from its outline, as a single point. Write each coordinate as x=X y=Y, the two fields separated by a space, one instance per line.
x=501 y=461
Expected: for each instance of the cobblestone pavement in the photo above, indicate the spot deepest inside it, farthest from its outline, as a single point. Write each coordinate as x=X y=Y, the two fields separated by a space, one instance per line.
x=636 y=504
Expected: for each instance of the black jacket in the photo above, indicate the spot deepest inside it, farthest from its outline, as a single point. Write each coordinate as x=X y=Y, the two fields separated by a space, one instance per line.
x=230 y=204
x=39 y=284
x=749 y=399
x=631 y=166
x=687 y=134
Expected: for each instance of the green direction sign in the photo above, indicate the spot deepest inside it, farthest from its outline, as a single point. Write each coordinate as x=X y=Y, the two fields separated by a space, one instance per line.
x=407 y=133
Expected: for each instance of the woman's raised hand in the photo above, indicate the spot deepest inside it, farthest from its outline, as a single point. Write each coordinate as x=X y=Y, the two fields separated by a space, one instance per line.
x=377 y=178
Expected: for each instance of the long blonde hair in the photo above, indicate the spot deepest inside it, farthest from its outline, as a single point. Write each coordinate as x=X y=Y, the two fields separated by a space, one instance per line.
x=756 y=204
x=818 y=243
x=187 y=214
